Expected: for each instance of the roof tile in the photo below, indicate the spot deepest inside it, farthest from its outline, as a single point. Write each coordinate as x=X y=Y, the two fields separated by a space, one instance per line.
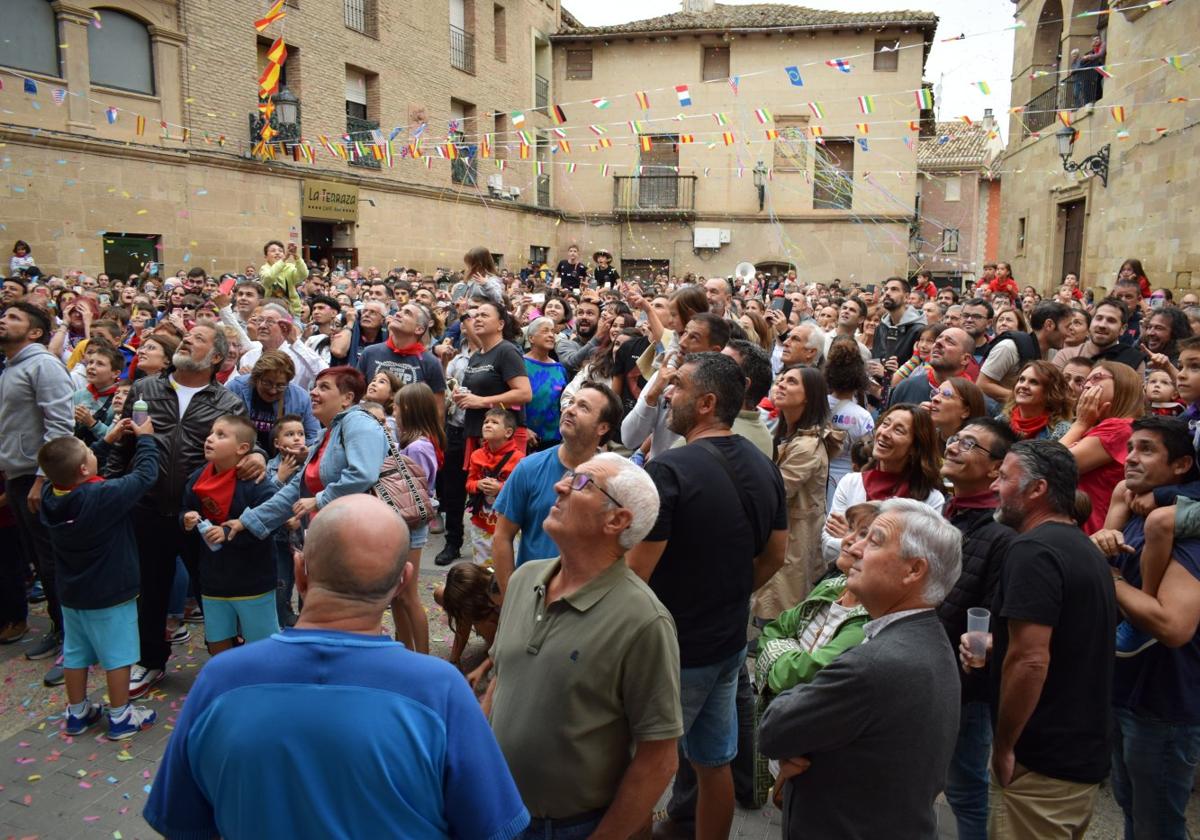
x=755 y=16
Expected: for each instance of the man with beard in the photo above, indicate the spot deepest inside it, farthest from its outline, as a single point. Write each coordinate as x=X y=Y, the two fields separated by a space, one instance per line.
x=364 y=330
x=278 y=330
x=1162 y=331
x=721 y=534
x=717 y=290
x=182 y=408
x=324 y=314
x=1054 y=623
x=949 y=357
x=1007 y=353
x=35 y=408
x=1104 y=339
x=899 y=328
x=850 y=317
x=573 y=349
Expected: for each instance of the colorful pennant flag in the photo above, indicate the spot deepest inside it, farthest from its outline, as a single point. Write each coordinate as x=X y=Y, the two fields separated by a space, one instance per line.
x=140 y=125
x=571 y=167
x=913 y=125
x=685 y=96
x=524 y=151
x=842 y=64
x=984 y=88
x=817 y=110
x=734 y=81
x=793 y=74
x=58 y=95
x=643 y=100
x=31 y=87
x=605 y=143
x=1065 y=118
x=539 y=167
x=1123 y=134
x=645 y=142
x=816 y=131
x=485 y=146
x=565 y=146
x=721 y=119
x=863 y=128
x=924 y=98
x=558 y=132
x=866 y=104
x=728 y=138
x=1118 y=113
x=1104 y=71
x=277 y=52
x=557 y=115
x=526 y=137
x=966 y=119
x=598 y=130
x=451 y=151
x=601 y=103
x=518 y=118
x=1175 y=61
x=636 y=126
x=110 y=114
x=772 y=134
x=763 y=116
x=862 y=141
x=604 y=170
x=273 y=14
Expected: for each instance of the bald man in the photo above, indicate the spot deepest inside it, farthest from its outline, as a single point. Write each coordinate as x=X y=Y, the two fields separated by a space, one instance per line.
x=333 y=729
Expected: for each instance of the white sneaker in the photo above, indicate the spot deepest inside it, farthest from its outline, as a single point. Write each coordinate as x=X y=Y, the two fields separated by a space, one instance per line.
x=135 y=719
x=142 y=679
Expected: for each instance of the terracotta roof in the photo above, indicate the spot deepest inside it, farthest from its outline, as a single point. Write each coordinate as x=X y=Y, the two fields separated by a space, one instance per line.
x=755 y=16
x=956 y=144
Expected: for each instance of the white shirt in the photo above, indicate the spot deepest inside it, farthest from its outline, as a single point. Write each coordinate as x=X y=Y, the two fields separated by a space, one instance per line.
x=185 y=393
x=308 y=363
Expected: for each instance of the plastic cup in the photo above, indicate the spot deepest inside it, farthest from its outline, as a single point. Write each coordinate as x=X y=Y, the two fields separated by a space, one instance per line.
x=978 y=622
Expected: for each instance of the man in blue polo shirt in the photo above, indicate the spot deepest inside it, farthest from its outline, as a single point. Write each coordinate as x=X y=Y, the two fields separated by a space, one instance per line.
x=332 y=729
x=586 y=424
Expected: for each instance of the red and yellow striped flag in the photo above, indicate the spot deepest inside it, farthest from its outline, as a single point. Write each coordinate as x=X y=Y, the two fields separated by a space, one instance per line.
x=273 y=14
x=645 y=143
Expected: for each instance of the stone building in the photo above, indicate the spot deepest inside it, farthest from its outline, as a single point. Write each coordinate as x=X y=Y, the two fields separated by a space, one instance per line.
x=959 y=195
x=1057 y=221
x=89 y=184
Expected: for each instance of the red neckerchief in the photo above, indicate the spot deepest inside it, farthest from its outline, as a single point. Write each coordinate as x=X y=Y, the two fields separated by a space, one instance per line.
x=215 y=492
x=58 y=488
x=98 y=395
x=1027 y=427
x=983 y=500
x=932 y=377
x=414 y=349
x=881 y=485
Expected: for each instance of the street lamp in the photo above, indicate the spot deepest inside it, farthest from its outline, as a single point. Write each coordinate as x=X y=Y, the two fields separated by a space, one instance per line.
x=287 y=107
x=1096 y=164
x=760 y=176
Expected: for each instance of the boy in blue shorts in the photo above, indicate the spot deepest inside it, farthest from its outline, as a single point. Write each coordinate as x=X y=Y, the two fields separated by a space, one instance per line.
x=96 y=561
x=237 y=576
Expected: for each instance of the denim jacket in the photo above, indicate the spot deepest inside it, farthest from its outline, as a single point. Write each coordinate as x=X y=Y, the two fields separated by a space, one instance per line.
x=350 y=464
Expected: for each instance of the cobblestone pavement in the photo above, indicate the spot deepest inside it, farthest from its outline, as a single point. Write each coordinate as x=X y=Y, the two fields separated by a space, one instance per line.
x=59 y=788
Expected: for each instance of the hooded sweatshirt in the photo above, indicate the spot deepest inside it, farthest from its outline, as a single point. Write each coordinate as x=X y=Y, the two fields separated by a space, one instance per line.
x=898 y=339
x=36 y=406
x=95 y=552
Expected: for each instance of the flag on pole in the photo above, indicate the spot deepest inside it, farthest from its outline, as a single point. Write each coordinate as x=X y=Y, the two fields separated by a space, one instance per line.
x=924 y=98
x=643 y=100
x=601 y=103
x=273 y=14
x=841 y=64
x=866 y=104
x=793 y=74
x=817 y=110
x=685 y=96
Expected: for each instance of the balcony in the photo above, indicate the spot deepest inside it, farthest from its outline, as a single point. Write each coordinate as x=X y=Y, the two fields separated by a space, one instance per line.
x=462 y=169
x=1040 y=111
x=541 y=92
x=462 y=50
x=654 y=195
x=360 y=130
x=543 y=190
x=1081 y=87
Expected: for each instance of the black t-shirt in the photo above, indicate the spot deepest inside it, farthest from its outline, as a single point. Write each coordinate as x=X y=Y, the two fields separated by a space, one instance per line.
x=605 y=275
x=487 y=375
x=572 y=275
x=1054 y=576
x=706 y=574
x=263 y=415
x=626 y=367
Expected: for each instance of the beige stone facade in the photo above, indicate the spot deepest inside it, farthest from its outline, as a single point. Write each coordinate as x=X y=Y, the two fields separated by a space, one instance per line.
x=72 y=180
x=1053 y=220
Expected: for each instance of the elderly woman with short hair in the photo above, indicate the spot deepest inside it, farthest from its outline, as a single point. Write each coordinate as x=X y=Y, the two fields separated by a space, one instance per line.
x=547 y=379
x=269 y=393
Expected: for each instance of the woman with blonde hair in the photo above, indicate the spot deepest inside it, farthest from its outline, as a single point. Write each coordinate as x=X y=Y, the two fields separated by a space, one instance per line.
x=1112 y=399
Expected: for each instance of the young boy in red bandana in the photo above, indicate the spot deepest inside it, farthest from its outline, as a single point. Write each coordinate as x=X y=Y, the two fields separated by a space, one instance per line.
x=96 y=565
x=237 y=577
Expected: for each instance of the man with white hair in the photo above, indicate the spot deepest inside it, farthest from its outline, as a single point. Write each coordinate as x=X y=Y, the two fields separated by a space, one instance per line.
x=804 y=345
x=857 y=726
x=277 y=330
x=585 y=700
x=404 y=353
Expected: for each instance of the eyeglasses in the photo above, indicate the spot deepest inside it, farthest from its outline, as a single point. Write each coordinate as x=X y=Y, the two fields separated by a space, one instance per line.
x=272 y=385
x=944 y=393
x=966 y=444
x=578 y=481
x=974 y=316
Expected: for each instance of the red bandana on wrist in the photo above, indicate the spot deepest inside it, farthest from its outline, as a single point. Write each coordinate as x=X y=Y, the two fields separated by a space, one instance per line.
x=414 y=349
x=98 y=395
x=215 y=492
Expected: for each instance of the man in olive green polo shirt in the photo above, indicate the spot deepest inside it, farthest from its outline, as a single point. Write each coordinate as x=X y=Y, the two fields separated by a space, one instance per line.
x=587 y=664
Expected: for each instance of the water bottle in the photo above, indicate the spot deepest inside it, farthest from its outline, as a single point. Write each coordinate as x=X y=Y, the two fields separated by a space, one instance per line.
x=141 y=412
x=203 y=526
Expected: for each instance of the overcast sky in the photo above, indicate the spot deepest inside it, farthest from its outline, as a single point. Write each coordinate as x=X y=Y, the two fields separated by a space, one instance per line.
x=958 y=65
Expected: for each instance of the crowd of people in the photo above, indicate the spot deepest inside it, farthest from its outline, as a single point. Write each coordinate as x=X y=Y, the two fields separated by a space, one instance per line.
x=839 y=547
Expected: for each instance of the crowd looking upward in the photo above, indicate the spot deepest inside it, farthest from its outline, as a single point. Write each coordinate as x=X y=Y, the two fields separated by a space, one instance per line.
x=756 y=538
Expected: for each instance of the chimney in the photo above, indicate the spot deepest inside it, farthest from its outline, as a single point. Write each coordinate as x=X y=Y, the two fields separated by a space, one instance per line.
x=698 y=6
x=989 y=122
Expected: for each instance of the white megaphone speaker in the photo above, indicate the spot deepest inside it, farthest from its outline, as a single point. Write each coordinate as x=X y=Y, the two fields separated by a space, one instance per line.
x=744 y=271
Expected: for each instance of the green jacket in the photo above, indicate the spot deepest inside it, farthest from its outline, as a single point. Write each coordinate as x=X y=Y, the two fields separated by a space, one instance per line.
x=782 y=663
x=283 y=280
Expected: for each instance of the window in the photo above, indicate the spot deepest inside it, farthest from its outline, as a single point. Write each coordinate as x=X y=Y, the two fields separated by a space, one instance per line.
x=119 y=54
x=360 y=16
x=714 y=64
x=579 y=63
x=264 y=46
x=949 y=240
x=127 y=253
x=791 y=147
x=462 y=127
x=500 y=33
x=833 y=176
x=356 y=94
x=952 y=187
x=462 y=37
x=1021 y=235
x=539 y=255
x=30 y=41
x=887 y=55
x=500 y=139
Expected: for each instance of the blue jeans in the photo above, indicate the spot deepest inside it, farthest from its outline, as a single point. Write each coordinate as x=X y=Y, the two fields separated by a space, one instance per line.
x=1154 y=763
x=708 y=694
x=967 y=776
x=569 y=829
